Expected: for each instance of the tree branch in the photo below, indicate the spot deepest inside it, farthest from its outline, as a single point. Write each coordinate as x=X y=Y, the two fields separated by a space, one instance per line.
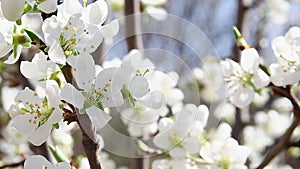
x=12 y=165
x=90 y=142
x=283 y=141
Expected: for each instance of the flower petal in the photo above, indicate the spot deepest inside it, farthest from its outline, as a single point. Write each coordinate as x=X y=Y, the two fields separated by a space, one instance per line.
x=98 y=117
x=37 y=162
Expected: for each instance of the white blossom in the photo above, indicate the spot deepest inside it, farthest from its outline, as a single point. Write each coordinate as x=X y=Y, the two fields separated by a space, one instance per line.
x=243 y=80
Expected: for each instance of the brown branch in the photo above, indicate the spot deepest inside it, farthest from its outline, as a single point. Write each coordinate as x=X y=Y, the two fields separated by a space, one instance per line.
x=90 y=142
x=12 y=165
x=134 y=41
x=133 y=25
x=283 y=141
x=279 y=145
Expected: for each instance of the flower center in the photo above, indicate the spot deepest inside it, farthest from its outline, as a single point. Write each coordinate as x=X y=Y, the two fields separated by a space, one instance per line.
x=42 y=112
x=175 y=139
x=67 y=45
x=224 y=162
x=93 y=97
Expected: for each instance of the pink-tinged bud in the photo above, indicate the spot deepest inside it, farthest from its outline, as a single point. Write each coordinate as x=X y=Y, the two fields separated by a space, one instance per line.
x=12 y=9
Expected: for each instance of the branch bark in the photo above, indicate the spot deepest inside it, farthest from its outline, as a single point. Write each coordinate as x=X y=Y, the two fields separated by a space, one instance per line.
x=283 y=141
x=90 y=142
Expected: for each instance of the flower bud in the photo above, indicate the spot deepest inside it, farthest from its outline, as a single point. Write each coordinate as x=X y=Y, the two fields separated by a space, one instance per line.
x=12 y=9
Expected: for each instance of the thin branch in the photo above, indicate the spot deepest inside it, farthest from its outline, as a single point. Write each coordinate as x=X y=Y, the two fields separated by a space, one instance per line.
x=283 y=141
x=90 y=142
x=12 y=165
x=280 y=145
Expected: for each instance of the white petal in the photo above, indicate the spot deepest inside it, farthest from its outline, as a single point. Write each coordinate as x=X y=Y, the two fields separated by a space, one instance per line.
x=52 y=92
x=152 y=100
x=40 y=135
x=12 y=59
x=73 y=96
x=21 y=123
x=12 y=9
x=192 y=145
x=261 y=79
x=139 y=86
x=72 y=6
x=96 y=12
x=63 y=165
x=56 y=54
x=29 y=96
x=203 y=114
x=85 y=71
x=37 y=162
x=249 y=60
x=159 y=14
x=98 y=117
x=177 y=153
x=4 y=49
x=48 y=6
x=30 y=70
x=243 y=97
x=111 y=29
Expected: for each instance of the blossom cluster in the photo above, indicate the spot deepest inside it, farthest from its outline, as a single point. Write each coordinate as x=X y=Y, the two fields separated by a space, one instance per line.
x=150 y=102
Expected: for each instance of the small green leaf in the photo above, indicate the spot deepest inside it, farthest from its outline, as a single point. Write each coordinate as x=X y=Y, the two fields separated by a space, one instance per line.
x=58 y=155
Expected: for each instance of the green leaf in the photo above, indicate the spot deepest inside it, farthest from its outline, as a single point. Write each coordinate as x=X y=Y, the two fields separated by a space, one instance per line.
x=58 y=155
x=32 y=35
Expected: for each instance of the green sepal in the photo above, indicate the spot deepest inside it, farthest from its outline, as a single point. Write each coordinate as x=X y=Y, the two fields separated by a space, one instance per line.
x=56 y=125
x=19 y=22
x=100 y=106
x=61 y=106
x=27 y=8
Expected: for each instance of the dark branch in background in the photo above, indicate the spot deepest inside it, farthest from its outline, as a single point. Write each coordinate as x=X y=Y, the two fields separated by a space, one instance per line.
x=13 y=165
x=133 y=24
x=134 y=41
x=90 y=142
x=238 y=125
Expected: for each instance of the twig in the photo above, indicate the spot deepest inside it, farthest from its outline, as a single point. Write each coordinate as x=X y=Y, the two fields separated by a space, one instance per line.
x=284 y=139
x=280 y=145
x=90 y=142
x=12 y=165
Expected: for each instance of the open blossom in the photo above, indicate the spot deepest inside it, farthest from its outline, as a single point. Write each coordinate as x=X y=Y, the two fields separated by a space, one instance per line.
x=39 y=68
x=244 y=79
x=286 y=49
x=34 y=116
x=92 y=14
x=95 y=93
x=181 y=136
x=70 y=39
x=12 y=37
x=38 y=162
x=224 y=152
